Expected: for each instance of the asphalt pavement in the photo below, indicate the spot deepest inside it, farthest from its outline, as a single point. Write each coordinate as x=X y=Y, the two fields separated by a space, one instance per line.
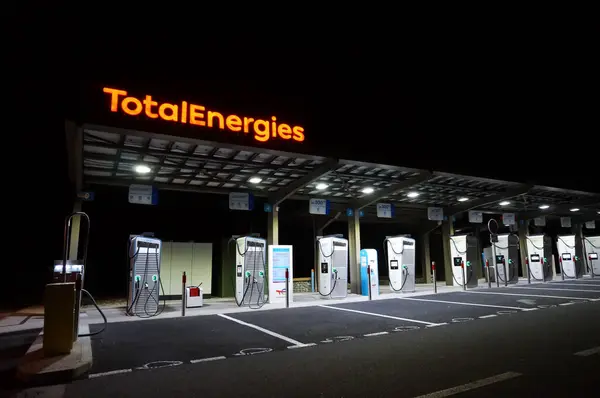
x=524 y=340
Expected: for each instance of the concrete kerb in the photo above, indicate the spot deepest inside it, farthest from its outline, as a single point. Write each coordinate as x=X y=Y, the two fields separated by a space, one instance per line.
x=35 y=369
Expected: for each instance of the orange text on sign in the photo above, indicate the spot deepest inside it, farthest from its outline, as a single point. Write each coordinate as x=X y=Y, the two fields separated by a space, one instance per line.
x=186 y=113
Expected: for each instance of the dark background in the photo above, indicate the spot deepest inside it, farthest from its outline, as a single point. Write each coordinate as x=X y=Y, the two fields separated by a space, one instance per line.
x=509 y=105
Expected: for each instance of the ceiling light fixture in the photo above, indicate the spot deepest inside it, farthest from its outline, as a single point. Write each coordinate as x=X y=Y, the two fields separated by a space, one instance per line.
x=543 y=207
x=142 y=169
x=505 y=203
x=463 y=199
x=368 y=190
x=255 y=180
x=575 y=209
x=413 y=194
x=322 y=186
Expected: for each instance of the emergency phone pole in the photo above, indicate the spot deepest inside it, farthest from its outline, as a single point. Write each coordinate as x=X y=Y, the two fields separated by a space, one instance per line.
x=183 y=298
x=287 y=288
x=433 y=276
x=464 y=280
x=369 y=278
x=487 y=270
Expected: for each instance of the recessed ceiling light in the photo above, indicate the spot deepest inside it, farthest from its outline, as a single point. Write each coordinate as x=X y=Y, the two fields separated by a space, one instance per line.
x=255 y=180
x=575 y=209
x=142 y=169
x=543 y=207
x=413 y=194
x=322 y=186
x=368 y=190
x=505 y=203
x=463 y=199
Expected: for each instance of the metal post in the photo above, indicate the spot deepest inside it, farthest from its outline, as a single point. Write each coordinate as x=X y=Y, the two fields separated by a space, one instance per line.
x=562 y=273
x=434 y=277
x=495 y=264
x=183 y=297
x=505 y=273
x=312 y=280
x=464 y=280
x=487 y=270
x=369 y=278
x=287 y=288
x=529 y=271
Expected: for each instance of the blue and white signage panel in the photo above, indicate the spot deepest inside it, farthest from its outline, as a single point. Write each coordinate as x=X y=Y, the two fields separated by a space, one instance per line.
x=508 y=218
x=435 y=213
x=318 y=206
x=475 y=217
x=143 y=194
x=590 y=224
x=385 y=210
x=565 y=222
x=241 y=201
x=539 y=221
x=350 y=212
x=280 y=259
x=87 y=196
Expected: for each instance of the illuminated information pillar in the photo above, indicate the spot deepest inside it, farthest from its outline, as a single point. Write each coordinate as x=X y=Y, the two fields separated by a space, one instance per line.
x=280 y=260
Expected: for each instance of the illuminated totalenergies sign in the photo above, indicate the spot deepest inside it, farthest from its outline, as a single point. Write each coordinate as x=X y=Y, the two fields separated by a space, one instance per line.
x=187 y=113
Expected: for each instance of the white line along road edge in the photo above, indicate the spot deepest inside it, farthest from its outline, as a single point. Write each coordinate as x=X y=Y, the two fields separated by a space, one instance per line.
x=471 y=386
x=531 y=295
x=556 y=289
x=471 y=304
x=587 y=353
x=383 y=316
x=266 y=331
x=210 y=359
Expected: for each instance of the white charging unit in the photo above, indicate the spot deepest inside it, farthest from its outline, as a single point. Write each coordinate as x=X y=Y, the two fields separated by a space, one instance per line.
x=567 y=257
x=280 y=263
x=368 y=265
x=539 y=256
x=463 y=250
x=144 y=275
x=592 y=251
x=507 y=258
x=401 y=263
x=333 y=266
x=250 y=268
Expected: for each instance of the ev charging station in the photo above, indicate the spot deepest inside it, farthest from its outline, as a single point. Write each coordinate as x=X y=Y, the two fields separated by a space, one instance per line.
x=250 y=260
x=333 y=266
x=592 y=250
x=507 y=258
x=539 y=260
x=144 y=276
x=280 y=274
x=368 y=266
x=463 y=249
x=570 y=264
x=400 y=252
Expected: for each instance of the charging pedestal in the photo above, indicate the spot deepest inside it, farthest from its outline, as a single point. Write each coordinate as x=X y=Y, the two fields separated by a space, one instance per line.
x=463 y=249
x=59 y=319
x=401 y=263
x=592 y=250
x=280 y=273
x=333 y=266
x=539 y=249
x=368 y=265
x=507 y=258
x=570 y=264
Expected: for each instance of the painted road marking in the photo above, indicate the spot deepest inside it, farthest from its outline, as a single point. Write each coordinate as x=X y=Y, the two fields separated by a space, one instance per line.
x=112 y=372
x=381 y=315
x=471 y=386
x=586 y=353
x=487 y=316
x=302 y=346
x=553 y=288
x=375 y=334
x=266 y=331
x=569 y=303
x=210 y=359
x=530 y=295
x=577 y=284
x=471 y=304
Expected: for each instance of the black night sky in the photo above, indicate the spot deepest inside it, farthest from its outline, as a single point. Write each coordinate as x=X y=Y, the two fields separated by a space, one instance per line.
x=482 y=109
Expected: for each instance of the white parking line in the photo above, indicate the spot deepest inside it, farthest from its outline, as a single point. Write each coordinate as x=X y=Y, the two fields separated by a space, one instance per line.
x=207 y=359
x=302 y=346
x=569 y=303
x=112 y=372
x=530 y=295
x=266 y=331
x=471 y=386
x=471 y=304
x=375 y=334
x=381 y=315
x=487 y=316
x=587 y=353
x=553 y=288
x=576 y=284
